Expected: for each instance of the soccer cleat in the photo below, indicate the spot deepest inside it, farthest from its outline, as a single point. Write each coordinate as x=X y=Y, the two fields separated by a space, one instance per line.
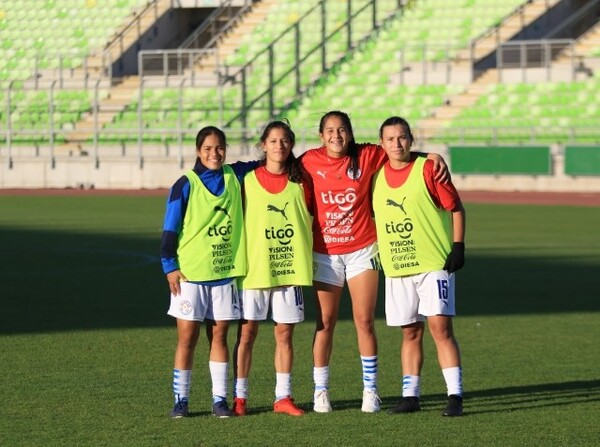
x=406 y=405
x=454 y=407
x=371 y=401
x=221 y=409
x=180 y=410
x=287 y=406
x=322 y=404
x=239 y=406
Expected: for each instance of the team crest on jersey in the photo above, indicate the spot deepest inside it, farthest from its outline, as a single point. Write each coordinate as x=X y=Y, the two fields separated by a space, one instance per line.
x=185 y=307
x=350 y=173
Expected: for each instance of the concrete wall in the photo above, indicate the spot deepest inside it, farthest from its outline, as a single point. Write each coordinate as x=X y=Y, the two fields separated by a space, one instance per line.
x=161 y=172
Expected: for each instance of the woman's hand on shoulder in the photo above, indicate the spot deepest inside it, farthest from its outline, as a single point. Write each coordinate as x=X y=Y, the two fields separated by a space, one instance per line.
x=440 y=168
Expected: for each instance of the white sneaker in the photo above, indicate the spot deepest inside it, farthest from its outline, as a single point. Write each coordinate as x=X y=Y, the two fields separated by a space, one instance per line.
x=322 y=404
x=371 y=401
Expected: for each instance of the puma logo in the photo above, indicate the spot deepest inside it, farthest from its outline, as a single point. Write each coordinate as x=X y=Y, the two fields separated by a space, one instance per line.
x=322 y=173
x=390 y=202
x=282 y=211
x=218 y=208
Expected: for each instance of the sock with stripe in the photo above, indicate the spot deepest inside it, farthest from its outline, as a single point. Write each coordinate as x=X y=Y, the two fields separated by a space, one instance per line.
x=369 y=371
x=411 y=386
x=182 y=379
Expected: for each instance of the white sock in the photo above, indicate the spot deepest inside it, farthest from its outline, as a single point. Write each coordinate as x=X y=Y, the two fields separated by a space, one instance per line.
x=182 y=380
x=283 y=385
x=321 y=378
x=453 y=378
x=218 y=374
x=241 y=388
x=369 y=370
x=411 y=386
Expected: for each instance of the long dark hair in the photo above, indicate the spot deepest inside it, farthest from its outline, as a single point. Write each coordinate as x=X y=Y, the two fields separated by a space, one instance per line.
x=396 y=121
x=292 y=166
x=203 y=134
x=352 y=146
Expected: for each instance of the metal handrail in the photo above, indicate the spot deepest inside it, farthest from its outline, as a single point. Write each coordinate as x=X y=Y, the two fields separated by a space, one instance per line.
x=209 y=22
x=295 y=29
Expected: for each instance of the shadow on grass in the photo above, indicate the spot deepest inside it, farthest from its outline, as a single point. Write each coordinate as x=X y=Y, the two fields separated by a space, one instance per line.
x=60 y=281
x=494 y=400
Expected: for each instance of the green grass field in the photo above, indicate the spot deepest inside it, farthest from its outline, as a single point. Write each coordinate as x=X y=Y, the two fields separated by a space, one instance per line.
x=87 y=349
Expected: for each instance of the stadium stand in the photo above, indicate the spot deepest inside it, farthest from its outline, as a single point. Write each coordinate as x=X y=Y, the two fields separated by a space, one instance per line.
x=448 y=66
x=41 y=35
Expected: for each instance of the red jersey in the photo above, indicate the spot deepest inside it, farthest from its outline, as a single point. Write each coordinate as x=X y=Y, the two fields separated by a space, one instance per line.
x=275 y=183
x=343 y=214
x=444 y=195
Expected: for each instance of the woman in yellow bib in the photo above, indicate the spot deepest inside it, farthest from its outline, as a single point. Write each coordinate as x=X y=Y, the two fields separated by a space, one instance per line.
x=420 y=226
x=279 y=246
x=203 y=251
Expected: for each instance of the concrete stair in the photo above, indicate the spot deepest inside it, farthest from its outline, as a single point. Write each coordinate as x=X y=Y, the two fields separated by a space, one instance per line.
x=129 y=33
x=484 y=46
x=230 y=41
x=510 y=26
x=120 y=95
x=432 y=125
x=585 y=44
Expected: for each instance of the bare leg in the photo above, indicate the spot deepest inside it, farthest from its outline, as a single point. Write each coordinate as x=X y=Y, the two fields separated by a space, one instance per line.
x=363 y=292
x=442 y=332
x=284 y=348
x=412 y=349
x=247 y=332
x=216 y=331
x=328 y=305
x=187 y=338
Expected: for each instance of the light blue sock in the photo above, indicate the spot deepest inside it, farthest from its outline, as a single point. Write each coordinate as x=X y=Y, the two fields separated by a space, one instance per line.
x=411 y=386
x=369 y=369
x=182 y=380
x=321 y=378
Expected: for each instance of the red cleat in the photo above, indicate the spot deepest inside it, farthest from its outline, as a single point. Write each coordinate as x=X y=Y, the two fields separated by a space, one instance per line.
x=239 y=406
x=287 y=406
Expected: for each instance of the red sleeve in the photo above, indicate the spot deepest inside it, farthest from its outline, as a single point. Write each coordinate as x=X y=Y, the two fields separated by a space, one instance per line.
x=375 y=155
x=444 y=195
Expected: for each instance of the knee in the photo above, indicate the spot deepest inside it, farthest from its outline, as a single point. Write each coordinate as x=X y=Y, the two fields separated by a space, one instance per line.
x=284 y=340
x=186 y=343
x=365 y=325
x=246 y=340
x=412 y=334
x=326 y=324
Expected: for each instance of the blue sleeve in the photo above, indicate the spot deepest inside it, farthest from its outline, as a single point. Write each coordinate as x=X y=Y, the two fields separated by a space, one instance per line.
x=241 y=168
x=173 y=223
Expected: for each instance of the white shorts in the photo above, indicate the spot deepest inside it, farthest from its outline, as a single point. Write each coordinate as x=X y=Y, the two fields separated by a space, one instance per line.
x=335 y=269
x=287 y=304
x=198 y=302
x=409 y=299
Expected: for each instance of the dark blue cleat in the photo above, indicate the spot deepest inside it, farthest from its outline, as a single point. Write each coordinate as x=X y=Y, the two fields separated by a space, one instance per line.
x=180 y=410
x=221 y=409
